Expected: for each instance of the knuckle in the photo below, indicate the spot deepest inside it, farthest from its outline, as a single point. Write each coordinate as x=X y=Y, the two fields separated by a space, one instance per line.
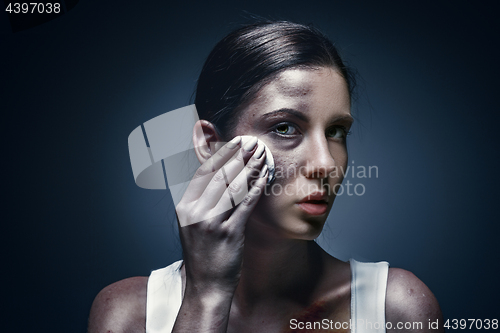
x=220 y=153
x=248 y=200
x=234 y=187
x=230 y=231
x=208 y=227
x=201 y=171
x=224 y=233
x=218 y=177
x=193 y=211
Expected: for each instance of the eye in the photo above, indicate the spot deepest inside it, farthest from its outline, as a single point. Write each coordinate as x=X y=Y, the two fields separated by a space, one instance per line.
x=285 y=129
x=337 y=132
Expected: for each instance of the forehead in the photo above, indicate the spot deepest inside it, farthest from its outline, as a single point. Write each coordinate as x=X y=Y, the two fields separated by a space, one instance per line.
x=321 y=90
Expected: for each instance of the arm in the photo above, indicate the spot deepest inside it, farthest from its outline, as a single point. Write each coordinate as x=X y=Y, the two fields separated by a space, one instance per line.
x=212 y=235
x=409 y=301
x=203 y=313
x=120 y=307
x=212 y=238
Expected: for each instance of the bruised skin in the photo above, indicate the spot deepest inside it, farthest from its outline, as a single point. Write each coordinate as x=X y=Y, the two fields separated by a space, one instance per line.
x=315 y=313
x=324 y=294
x=332 y=299
x=321 y=96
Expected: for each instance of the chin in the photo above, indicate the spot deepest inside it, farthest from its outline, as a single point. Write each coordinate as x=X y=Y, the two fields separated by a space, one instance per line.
x=306 y=229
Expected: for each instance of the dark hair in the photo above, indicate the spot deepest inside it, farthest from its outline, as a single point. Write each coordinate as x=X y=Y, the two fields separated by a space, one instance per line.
x=249 y=57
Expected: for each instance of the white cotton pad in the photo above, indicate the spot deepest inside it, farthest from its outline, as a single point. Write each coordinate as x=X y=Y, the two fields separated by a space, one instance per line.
x=269 y=157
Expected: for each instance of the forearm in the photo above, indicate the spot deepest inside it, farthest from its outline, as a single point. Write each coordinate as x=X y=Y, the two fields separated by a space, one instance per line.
x=204 y=314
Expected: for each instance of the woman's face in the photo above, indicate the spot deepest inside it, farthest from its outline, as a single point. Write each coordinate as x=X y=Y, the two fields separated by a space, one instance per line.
x=303 y=116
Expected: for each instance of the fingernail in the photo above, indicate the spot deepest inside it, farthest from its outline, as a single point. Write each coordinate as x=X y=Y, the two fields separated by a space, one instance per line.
x=234 y=142
x=264 y=171
x=250 y=144
x=258 y=153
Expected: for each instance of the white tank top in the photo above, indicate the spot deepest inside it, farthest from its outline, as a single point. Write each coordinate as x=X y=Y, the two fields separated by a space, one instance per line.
x=368 y=288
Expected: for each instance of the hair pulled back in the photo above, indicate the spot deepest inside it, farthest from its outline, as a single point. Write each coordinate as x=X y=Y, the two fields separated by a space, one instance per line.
x=249 y=57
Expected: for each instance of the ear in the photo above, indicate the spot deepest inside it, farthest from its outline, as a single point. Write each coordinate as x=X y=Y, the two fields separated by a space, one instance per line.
x=206 y=140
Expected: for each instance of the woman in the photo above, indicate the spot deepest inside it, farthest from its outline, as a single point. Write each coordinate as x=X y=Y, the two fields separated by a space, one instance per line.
x=256 y=267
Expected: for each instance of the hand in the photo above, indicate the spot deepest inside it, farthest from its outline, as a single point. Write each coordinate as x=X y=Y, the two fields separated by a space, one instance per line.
x=211 y=230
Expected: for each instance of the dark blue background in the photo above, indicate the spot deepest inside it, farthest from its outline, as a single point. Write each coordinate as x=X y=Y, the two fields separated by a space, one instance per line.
x=75 y=87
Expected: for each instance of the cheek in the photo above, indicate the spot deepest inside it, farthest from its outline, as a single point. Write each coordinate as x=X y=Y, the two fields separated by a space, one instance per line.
x=289 y=164
x=279 y=192
x=286 y=167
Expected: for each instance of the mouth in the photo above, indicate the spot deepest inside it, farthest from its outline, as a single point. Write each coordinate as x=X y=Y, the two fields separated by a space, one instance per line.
x=314 y=204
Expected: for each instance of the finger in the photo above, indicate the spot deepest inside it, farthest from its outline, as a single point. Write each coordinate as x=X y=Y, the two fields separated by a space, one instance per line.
x=235 y=193
x=252 y=166
x=233 y=171
x=207 y=170
x=237 y=220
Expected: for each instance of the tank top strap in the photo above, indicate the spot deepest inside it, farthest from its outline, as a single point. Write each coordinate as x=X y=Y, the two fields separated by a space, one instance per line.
x=164 y=298
x=368 y=290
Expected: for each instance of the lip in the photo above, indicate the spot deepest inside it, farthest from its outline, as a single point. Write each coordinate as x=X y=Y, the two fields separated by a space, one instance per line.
x=315 y=203
x=315 y=196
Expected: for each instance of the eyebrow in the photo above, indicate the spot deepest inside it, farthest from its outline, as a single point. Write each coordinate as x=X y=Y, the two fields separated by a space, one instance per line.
x=346 y=118
x=303 y=116
x=292 y=112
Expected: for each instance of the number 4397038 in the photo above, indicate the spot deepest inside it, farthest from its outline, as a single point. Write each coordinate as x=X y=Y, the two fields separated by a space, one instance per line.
x=462 y=324
x=33 y=8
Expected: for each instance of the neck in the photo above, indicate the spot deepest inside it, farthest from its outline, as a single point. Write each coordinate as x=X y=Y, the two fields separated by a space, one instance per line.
x=277 y=267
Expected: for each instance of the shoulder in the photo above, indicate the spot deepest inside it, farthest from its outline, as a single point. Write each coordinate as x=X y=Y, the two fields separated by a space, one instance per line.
x=120 y=307
x=409 y=300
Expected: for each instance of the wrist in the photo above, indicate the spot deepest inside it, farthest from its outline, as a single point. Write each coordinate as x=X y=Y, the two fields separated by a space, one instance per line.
x=206 y=311
x=209 y=297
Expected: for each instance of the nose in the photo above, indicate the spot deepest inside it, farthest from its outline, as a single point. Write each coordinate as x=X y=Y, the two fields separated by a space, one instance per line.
x=319 y=159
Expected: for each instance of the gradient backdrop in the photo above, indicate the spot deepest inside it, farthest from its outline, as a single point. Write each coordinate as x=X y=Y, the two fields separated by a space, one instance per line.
x=73 y=221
